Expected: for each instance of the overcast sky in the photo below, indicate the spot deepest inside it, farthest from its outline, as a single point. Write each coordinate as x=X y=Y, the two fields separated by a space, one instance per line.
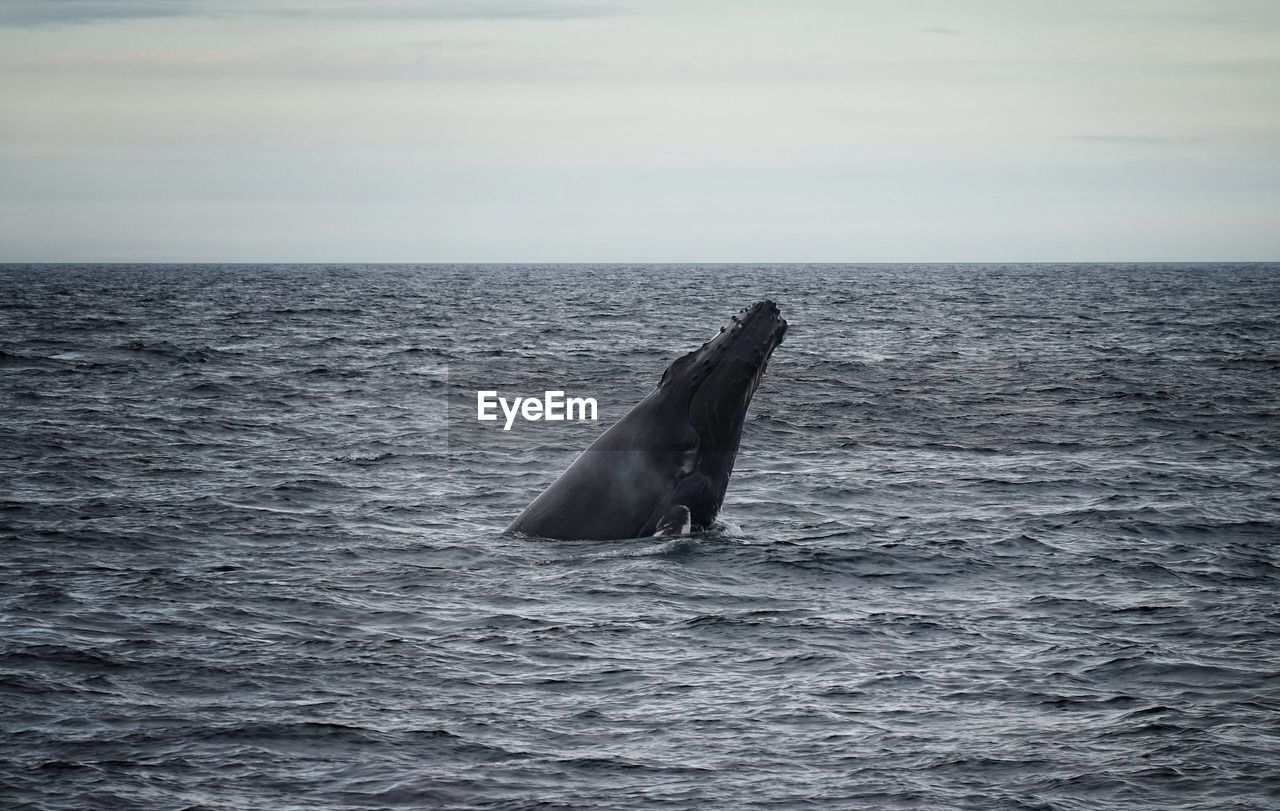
x=572 y=130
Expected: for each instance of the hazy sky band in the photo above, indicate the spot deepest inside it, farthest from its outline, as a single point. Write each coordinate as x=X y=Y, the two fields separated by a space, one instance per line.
x=647 y=131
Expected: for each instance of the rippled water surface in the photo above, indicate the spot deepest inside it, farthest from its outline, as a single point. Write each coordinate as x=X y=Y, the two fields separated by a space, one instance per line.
x=998 y=537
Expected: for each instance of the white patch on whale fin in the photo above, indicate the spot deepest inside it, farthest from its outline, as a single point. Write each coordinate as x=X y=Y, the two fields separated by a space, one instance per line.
x=676 y=521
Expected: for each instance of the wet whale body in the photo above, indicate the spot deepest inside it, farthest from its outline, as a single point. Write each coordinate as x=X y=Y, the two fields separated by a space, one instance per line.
x=664 y=467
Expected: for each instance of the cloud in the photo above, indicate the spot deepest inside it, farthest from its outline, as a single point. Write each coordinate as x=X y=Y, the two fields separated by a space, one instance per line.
x=456 y=10
x=393 y=129
x=1137 y=140
x=39 y=13
x=56 y=13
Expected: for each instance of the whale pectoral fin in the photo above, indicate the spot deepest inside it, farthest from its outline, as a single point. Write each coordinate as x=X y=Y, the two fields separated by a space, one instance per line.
x=675 y=521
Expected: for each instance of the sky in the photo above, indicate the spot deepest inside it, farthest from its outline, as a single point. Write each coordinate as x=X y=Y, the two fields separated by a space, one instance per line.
x=639 y=131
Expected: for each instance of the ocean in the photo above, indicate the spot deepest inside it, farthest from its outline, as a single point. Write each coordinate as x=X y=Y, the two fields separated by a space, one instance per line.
x=998 y=537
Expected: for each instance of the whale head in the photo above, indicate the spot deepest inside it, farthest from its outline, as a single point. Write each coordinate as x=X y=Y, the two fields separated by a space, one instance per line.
x=663 y=468
x=708 y=392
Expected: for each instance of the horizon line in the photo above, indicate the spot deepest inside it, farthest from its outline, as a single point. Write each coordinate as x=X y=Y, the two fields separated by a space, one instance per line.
x=639 y=262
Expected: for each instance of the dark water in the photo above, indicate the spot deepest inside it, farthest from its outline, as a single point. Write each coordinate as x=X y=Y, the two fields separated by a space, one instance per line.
x=998 y=537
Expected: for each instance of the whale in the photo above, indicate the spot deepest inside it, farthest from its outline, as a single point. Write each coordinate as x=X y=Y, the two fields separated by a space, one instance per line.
x=663 y=469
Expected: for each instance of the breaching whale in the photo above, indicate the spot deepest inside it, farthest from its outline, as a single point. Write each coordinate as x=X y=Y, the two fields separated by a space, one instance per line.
x=663 y=468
